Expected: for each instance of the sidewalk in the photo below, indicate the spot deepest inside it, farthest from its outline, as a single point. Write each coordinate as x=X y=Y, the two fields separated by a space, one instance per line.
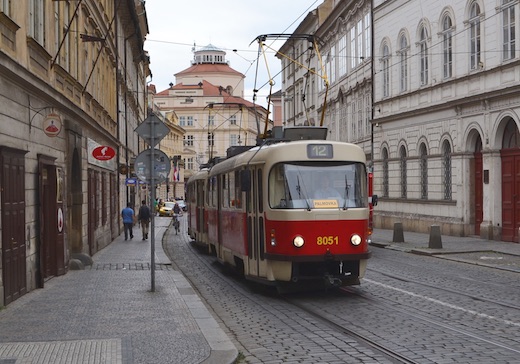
x=473 y=249
x=108 y=314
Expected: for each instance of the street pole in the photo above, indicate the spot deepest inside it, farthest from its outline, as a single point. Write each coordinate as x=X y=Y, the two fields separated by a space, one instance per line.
x=152 y=192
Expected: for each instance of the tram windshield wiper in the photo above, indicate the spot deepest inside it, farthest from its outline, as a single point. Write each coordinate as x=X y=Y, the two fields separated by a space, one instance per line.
x=345 y=207
x=300 y=194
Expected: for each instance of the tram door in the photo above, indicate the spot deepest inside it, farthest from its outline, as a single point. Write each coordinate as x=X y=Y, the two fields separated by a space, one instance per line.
x=255 y=225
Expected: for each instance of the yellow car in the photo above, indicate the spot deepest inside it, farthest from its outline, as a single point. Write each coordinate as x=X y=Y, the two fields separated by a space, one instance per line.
x=166 y=209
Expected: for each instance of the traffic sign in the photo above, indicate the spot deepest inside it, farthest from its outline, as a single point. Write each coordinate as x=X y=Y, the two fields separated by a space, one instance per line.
x=152 y=128
x=161 y=166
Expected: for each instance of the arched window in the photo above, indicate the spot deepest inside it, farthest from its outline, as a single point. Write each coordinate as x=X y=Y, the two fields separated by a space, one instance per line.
x=447 y=46
x=403 y=69
x=385 y=173
x=474 y=41
x=423 y=56
x=424 y=171
x=446 y=167
x=402 y=159
x=511 y=136
x=386 y=71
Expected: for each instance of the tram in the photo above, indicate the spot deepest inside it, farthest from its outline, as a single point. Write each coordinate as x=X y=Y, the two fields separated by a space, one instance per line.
x=292 y=212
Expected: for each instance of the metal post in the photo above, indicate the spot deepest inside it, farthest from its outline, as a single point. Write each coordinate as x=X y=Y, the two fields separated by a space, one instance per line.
x=152 y=227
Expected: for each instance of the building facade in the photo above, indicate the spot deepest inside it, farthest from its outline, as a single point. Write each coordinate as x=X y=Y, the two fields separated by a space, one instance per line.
x=72 y=90
x=344 y=37
x=208 y=101
x=447 y=116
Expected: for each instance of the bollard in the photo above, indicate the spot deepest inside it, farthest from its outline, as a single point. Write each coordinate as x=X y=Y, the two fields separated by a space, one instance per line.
x=398 y=233
x=435 y=237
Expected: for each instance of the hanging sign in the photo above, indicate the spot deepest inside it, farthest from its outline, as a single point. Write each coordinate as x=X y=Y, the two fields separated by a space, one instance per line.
x=52 y=125
x=103 y=153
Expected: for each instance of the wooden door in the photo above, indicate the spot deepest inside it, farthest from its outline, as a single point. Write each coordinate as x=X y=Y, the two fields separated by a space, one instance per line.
x=510 y=194
x=479 y=187
x=13 y=224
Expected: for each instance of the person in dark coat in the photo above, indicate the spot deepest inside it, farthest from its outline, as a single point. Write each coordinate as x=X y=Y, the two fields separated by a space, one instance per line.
x=144 y=217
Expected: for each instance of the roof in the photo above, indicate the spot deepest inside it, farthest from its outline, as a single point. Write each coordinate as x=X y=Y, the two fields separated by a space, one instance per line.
x=209 y=68
x=209 y=90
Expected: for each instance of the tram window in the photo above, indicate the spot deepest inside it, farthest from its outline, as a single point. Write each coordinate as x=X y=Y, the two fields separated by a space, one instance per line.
x=260 y=192
x=238 y=191
x=225 y=189
x=231 y=189
x=334 y=185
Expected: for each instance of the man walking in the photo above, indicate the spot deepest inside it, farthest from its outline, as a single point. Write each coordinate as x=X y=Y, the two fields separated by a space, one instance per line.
x=144 y=217
x=128 y=220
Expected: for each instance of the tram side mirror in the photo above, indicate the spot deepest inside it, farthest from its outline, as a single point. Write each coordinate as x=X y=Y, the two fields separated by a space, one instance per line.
x=245 y=180
x=374 y=200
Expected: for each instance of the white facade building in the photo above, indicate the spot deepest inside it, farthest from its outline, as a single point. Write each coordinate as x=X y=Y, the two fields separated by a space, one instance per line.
x=343 y=31
x=447 y=115
x=208 y=101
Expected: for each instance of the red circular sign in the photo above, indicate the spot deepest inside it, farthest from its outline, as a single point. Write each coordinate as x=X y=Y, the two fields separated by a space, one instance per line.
x=103 y=153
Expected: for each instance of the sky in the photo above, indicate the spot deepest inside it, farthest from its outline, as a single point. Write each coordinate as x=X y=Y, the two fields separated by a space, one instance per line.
x=176 y=25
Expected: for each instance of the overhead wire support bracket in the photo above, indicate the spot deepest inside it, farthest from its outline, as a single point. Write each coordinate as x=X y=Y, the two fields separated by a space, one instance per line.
x=261 y=39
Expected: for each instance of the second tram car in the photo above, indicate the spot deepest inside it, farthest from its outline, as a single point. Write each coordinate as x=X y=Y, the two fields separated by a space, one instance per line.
x=292 y=213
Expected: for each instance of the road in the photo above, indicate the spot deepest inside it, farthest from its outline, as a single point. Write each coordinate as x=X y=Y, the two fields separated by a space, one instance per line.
x=408 y=309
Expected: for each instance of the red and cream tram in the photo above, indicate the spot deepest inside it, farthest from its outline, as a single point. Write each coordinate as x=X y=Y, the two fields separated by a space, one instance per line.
x=287 y=213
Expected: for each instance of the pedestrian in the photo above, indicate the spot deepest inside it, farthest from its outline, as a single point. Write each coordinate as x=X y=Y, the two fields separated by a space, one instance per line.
x=128 y=220
x=144 y=215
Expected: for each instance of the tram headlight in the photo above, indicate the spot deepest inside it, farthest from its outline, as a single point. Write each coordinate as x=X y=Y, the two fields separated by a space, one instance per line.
x=298 y=242
x=355 y=239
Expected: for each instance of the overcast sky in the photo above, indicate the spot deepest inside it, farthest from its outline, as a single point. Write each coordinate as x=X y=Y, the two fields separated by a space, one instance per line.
x=175 y=25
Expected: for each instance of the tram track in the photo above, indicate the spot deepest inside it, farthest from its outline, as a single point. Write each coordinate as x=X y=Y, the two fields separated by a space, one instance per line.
x=444 y=289
x=361 y=315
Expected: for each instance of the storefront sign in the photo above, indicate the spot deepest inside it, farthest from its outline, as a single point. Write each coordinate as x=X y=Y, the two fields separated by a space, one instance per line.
x=52 y=125
x=103 y=153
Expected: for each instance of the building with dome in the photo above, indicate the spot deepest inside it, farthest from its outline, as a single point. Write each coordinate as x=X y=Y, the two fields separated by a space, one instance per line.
x=208 y=100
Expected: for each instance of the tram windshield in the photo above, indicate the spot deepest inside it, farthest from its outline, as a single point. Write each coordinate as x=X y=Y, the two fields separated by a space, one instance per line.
x=318 y=186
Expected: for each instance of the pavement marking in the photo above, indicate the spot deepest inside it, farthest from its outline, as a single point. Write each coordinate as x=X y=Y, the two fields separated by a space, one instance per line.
x=479 y=314
x=62 y=352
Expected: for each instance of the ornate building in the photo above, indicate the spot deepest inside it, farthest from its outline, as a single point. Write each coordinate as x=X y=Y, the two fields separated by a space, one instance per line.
x=208 y=100
x=343 y=33
x=72 y=91
x=447 y=114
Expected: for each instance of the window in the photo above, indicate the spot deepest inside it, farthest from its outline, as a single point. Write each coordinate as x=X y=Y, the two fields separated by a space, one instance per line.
x=447 y=47
x=353 y=53
x=5 y=7
x=188 y=162
x=182 y=120
x=342 y=56
x=211 y=120
x=233 y=119
x=403 y=56
x=508 y=29
x=385 y=173
x=446 y=166
x=189 y=121
x=402 y=160
x=233 y=140
x=211 y=139
x=368 y=35
x=188 y=140
x=424 y=171
x=386 y=71
x=423 y=56
x=511 y=136
x=474 y=23
x=37 y=20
